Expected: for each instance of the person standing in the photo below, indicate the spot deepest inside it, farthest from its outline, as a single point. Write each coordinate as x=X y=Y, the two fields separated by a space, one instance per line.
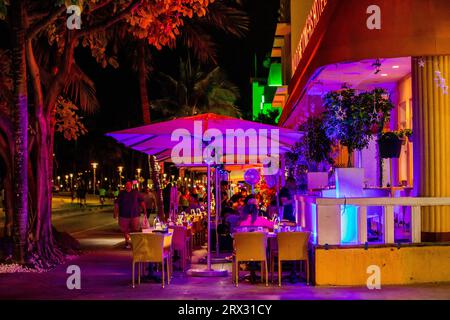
x=184 y=199
x=81 y=194
x=287 y=194
x=127 y=208
x=102 y=196
x=149 y=200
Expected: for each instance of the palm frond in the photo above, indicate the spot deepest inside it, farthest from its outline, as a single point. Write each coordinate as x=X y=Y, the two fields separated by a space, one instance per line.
x=165 y=106
x=81 y=89
x=207 y=79
x=225 y=110
x=227 y=18
x=165 y=79
x=219 y=95
x=201 y=43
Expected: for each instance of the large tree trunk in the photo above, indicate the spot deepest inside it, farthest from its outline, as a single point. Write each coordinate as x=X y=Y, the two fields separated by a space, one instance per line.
x=143 y=91
x=17 y=14
x=6 y=154
x=43 y=243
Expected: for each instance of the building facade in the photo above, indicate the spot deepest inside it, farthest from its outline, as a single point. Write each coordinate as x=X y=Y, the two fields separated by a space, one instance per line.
x=402 y=46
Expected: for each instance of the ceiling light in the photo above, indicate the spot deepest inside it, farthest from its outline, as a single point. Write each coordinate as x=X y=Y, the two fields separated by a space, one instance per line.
x=395 y=67
x=384 y=74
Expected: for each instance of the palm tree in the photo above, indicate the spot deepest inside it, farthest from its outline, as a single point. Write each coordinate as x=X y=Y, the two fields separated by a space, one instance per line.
x=20 y=118
x=221 y=15
x=196 y=37
x=195 y=92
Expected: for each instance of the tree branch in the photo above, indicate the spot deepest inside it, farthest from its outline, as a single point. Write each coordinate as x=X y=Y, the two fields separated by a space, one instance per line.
x=6 y=93
x=42 y=24
x=6 y=126
x=58 y=82
x=111 y=21
x=100 y=5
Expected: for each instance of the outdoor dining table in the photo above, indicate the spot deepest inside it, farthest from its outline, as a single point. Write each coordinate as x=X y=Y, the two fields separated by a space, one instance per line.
x=271 y=241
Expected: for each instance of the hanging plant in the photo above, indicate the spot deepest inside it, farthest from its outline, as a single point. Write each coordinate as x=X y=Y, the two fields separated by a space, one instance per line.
x=390 y=145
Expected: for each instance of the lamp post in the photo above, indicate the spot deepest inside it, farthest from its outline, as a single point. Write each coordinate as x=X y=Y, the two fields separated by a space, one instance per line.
x=120 y=168
x=94 y=167
x=71 y=181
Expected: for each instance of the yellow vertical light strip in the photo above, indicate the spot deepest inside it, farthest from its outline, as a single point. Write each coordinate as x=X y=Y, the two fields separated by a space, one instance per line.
x=424 y=89
x=431 y=117
x=446 y=142
x=433 y=132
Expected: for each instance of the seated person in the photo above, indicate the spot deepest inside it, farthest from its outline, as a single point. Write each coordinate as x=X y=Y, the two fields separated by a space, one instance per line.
x=193 y=203
x=231 y=219
x=252 y=218
x=272 y=210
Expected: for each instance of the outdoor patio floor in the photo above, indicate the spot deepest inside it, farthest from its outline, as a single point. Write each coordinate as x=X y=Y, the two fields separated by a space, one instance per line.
x=106 y=274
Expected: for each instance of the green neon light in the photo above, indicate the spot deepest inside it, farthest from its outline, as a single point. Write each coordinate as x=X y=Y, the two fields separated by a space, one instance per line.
x=275 y=77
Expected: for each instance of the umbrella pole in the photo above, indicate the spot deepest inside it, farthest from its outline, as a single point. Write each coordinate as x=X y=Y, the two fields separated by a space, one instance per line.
x=277 y=191
x=208 y=272
x=208 y=173
x=217 y=207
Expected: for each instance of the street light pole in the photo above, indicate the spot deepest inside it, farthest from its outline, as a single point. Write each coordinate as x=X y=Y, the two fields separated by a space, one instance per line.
x=71 y=181
x=94 y=166
x=139 y=177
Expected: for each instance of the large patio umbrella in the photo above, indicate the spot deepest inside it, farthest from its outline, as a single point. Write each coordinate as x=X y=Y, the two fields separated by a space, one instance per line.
x=156 y=139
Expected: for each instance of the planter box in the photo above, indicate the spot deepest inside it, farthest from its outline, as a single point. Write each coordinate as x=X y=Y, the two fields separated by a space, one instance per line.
x=317 y=180
x=349 y=182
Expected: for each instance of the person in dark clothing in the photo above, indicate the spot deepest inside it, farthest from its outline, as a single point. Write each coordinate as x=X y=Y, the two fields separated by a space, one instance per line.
x=286 y=199
x=127 y=208
x=81 y=193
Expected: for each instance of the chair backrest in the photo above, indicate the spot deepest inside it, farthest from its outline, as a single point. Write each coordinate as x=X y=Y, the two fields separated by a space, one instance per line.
x=250 y=246
x=147 y=247
x=293 y=245
x=168 y=238
x=196 y=226
x=179 y=236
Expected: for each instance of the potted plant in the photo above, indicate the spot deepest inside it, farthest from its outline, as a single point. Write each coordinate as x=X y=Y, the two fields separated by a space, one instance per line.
x=352 y=119
x=313 y=151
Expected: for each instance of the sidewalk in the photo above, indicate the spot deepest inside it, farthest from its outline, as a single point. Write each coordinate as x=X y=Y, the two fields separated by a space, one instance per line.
x=106 y=274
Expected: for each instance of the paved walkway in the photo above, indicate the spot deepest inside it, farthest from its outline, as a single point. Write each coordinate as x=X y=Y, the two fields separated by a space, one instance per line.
x=106 y=274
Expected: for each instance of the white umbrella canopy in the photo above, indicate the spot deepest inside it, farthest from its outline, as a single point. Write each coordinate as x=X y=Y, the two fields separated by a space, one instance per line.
x=157 y=139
